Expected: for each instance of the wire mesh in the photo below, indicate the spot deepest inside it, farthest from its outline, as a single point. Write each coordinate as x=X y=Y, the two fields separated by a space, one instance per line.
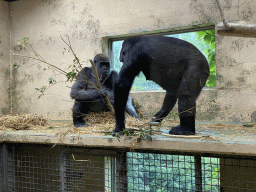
x=36 y=169
x=43 y=168
x=161 y=172
x=238 y=174
x=84 y=173
x=1 y=165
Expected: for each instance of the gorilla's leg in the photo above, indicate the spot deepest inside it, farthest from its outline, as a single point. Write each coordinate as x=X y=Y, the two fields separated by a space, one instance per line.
x=168 y=104
x=187 y=112
x=78 y=114
x=121 y=94
x=192 y=82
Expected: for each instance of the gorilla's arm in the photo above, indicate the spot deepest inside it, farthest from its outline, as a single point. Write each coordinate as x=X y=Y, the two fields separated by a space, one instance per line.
x=130 y=109
x=121 y=94
x=80 y=90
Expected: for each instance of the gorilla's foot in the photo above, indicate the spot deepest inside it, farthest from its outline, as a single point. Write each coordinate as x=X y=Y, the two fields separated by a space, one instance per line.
x=181 y=130
x=156 y=120
x=81 y=124
x=117 y=133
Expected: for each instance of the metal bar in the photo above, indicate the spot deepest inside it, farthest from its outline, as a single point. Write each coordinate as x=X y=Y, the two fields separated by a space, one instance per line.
x=62 y=171
x=239 y=29
x=198 y=173
x=4 y=168
x=121 y=173
x=222 y=16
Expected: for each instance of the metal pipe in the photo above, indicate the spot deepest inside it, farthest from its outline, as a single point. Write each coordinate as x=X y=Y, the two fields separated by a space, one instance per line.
x=222 y=16
x=239 y=29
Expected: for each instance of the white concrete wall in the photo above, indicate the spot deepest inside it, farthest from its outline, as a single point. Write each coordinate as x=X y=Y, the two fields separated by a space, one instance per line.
x=4 y=56
x=86 y=22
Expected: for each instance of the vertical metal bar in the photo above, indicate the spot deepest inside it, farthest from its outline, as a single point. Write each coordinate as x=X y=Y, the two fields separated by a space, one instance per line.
x=62 y=171
x=121 y=173
x=4 y=168
x=198 y=173
x=1 y=166
x=113 y=173
x=222 y=16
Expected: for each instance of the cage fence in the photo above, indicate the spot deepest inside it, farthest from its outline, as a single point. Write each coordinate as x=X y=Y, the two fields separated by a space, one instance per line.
x=35 y=168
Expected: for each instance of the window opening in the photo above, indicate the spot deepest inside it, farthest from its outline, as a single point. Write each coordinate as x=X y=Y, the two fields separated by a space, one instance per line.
x=204 y=40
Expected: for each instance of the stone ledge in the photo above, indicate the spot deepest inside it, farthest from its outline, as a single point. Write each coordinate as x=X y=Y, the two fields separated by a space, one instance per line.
x=158 y=143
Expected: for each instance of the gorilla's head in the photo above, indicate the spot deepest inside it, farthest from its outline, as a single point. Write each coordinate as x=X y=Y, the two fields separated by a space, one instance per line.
x=103 y=66
x=128 y=45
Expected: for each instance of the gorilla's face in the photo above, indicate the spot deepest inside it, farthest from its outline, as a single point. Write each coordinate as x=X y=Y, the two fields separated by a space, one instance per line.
x=103 y=66
x=123 y=51
x=103 y=69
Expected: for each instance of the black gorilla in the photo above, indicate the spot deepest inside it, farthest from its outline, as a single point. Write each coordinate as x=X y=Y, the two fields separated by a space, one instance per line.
x=176 y=65
x=88 y=97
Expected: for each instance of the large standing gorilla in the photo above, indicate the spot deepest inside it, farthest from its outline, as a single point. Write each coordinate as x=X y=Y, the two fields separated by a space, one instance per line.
x=176 y=65
x=88 y=97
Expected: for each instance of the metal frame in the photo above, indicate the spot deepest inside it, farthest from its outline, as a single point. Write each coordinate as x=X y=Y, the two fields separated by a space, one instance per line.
x=33 y=167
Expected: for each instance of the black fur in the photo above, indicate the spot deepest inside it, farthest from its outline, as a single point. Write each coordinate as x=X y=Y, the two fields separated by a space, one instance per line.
x=176 y=65
x=88 y=98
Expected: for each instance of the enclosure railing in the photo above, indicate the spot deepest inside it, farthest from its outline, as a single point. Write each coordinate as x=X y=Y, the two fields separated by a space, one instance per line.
x=44 y=167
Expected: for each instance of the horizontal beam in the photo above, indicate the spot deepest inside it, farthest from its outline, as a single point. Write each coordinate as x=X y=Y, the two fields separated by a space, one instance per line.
x=159 y=143
x=239 y=29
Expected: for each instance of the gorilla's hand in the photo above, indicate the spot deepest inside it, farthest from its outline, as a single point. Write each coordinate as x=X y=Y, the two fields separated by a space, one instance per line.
x=104 y=92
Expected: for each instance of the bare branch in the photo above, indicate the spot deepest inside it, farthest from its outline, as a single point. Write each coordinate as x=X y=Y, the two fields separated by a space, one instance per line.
x=70 y=47
x=100 y=87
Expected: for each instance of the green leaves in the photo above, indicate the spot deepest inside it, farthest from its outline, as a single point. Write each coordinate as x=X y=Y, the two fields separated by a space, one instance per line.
x=51 y=81
x=44 y=88
x=208 y=36
x=207 y=39
x=216 y=173
x=16 y=65
x=23 y=42
x=41 y=90
x=71 y=75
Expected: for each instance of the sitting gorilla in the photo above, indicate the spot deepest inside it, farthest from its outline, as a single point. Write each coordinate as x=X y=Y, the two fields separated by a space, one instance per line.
x=88 y=97
x=176 y=65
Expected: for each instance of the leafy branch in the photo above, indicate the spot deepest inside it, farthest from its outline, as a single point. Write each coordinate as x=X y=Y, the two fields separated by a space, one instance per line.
x=70 y=75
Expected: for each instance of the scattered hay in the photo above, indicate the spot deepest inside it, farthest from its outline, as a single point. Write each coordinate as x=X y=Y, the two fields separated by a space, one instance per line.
x=106 y=121
x=99 y=118
x=21 y=122
x=103 y=124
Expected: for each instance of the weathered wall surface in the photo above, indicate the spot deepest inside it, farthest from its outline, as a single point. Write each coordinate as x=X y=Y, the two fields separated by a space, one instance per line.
x=4 y=56
x=86 y=22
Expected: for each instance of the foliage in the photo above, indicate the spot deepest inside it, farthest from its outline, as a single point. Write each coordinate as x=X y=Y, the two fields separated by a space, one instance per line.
x=161 y=172
x=138 y=134
x=208 y=37
x=23 y=42
x=70 y=75
x=44 y=88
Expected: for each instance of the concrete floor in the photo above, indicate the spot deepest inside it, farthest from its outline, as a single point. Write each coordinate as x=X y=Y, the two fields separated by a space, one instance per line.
x=214 y=138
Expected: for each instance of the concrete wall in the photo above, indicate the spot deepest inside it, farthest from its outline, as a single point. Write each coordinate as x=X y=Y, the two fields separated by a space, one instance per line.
x=87 y=22
x=4 y=56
